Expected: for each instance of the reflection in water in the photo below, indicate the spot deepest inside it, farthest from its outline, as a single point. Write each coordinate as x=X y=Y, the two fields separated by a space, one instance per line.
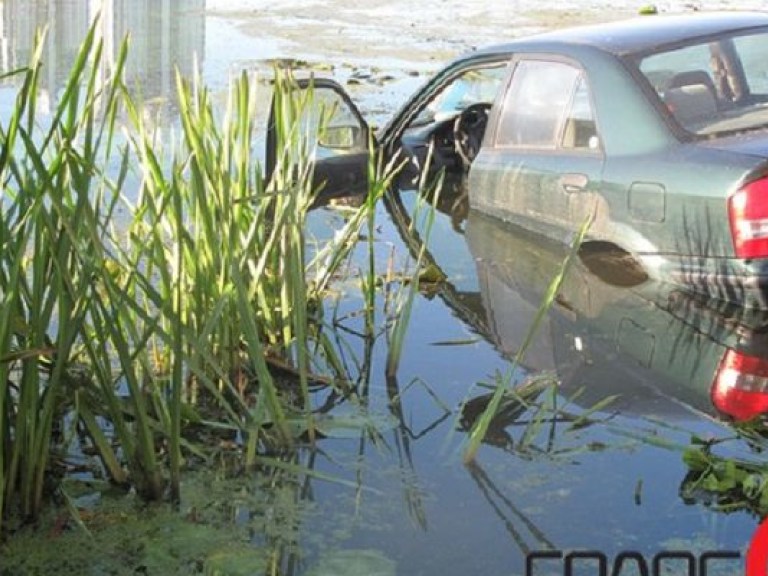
x=664 y=353
x=642 y=341
x=515 y=521
x=165 y=34
x=662 y=342
x=610 y=330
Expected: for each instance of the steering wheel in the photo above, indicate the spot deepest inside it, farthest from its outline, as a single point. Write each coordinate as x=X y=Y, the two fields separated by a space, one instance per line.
x=468 y=131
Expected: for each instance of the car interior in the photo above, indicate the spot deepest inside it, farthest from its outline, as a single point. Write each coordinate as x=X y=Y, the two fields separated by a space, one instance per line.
x=691 y=96
x=449 y=129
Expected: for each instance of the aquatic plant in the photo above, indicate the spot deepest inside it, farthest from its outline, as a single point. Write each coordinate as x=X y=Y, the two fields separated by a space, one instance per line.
x=728 y=482
x=50 y=253
x=131 y=313
x=401 y=301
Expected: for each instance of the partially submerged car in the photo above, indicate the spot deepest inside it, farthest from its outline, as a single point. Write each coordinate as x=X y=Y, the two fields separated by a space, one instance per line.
x=655 y=129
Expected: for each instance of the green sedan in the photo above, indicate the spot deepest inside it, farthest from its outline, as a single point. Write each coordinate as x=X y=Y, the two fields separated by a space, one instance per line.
x=655 y=130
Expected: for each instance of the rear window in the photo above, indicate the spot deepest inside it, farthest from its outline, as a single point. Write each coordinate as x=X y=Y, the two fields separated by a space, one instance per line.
x=713 y=87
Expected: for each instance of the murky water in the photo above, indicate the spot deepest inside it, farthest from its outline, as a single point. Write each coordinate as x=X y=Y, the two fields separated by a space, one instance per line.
x=400 y=497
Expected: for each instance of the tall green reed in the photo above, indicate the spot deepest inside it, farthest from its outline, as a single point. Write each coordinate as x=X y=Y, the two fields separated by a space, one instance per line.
x=208 y=283
x=49 y=247
x=221 y=255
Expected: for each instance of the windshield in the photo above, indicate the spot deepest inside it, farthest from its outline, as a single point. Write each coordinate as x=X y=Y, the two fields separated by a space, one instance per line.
x=713 y=87
x=473 y=86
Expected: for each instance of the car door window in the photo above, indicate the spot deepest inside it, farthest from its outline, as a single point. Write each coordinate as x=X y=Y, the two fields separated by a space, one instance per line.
x=751 y=51
x=325 y=124
x=445 y=127
x=332 y=123
x=579 y=127
x=538 y=97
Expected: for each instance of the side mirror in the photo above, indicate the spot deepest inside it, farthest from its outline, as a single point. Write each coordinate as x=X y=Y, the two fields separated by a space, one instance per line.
x=340 y=137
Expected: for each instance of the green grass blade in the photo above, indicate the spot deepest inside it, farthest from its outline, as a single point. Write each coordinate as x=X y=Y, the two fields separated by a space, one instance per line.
x=479 y=429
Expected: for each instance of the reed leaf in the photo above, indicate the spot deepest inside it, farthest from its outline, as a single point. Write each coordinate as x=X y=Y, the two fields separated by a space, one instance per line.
x=48 y=174
x=209 y=283
x=480 y=427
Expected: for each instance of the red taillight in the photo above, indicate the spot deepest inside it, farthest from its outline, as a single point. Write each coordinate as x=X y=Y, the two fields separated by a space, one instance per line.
x=740 y=389
x=748 y=216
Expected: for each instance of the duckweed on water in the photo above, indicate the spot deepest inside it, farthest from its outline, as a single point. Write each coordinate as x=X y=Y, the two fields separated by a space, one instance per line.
x=125 y=538
x=354 y=563
x=236 y=563
x=224 y=526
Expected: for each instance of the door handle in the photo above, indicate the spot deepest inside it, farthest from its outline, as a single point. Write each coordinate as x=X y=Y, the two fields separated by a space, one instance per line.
x=574 y=182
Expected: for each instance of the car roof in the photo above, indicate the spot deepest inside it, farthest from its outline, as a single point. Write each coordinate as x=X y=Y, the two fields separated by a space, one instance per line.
x=641 y=34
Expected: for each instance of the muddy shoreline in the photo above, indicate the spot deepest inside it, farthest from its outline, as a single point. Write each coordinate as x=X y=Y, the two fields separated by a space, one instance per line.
x=431 y=30
x=382 y=52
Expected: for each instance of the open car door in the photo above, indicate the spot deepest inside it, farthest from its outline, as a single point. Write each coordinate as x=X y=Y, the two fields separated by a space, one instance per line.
x=337 y=137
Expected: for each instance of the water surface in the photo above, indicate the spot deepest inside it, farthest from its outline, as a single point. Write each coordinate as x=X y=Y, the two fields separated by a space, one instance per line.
x=403 y=497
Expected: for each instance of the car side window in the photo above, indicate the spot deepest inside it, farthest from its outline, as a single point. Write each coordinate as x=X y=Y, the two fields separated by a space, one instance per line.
x=579 y=127
x=751 y=50
x=332 y=123
x=547 y=105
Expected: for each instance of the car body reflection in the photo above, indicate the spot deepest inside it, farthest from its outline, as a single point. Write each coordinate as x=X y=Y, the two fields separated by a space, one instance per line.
x=648 y=342
x=610 y=331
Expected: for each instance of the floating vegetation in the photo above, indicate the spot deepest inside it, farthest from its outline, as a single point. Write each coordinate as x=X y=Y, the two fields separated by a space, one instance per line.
x=648 y=10
x=538 y=414
x=727 y=483
x=299 y=64
x=210 y=533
